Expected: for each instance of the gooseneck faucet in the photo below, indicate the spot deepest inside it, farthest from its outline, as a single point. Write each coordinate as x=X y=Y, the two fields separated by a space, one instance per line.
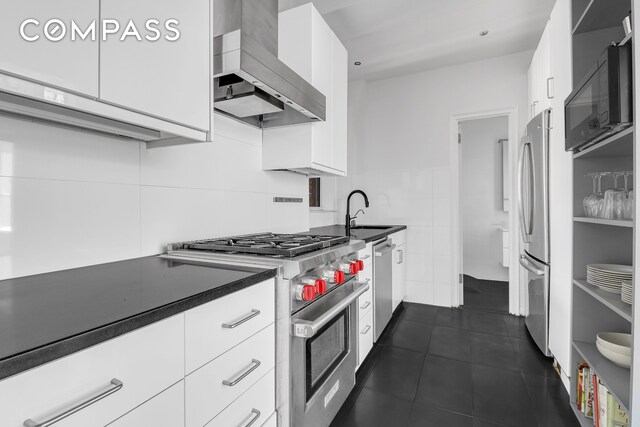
x=347 y=222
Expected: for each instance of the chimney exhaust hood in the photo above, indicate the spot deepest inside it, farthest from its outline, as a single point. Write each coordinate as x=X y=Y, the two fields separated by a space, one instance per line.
x=250 y=83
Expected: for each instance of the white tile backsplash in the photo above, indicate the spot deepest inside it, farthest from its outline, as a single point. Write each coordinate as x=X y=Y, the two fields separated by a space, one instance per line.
x=69 y=199
x=51 y=225
x=34 y=150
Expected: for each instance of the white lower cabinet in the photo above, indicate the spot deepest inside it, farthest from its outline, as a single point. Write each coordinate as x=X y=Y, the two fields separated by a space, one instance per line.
x=399 y=268
x=253 y=407
x=141 y=375
x=214 y=386
x=215 y=327
x=165 y=409
x=134 y=367
x=365 y=335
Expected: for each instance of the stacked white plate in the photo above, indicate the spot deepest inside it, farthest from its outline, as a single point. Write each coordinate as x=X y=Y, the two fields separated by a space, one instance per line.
x=627 y=291
x=608 y=277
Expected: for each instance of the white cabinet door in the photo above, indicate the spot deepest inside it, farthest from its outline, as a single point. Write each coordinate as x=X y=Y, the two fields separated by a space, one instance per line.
x=398 y=290
x=163 y=78
x=560 y=172
x=66 y=64
x=339 y=105
x=321 y=79
x=165 y=409
x=307 y=45
x=365 y=335
x=539 y=76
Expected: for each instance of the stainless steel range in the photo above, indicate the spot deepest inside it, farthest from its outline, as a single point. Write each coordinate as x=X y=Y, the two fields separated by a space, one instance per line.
x=316 y=331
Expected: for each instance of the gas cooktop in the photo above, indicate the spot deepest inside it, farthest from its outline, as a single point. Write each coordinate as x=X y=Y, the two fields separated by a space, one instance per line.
x=266 y=244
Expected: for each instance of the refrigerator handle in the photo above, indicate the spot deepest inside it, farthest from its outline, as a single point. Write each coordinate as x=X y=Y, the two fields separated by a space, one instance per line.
x=525 y=263
x=532 y=183
x=523 y=223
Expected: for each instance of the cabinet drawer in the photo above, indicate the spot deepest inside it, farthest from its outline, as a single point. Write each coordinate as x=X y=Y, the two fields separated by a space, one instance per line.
x=365 y=301
x=146 y=361
x=215 y=327
x=166 y=409
x=365 y=335
x=206 y=393
x=505 y=257
x=255 y=406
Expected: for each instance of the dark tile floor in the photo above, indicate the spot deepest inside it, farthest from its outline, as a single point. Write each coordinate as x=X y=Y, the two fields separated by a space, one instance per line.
x=486 y=294
x=448 y=367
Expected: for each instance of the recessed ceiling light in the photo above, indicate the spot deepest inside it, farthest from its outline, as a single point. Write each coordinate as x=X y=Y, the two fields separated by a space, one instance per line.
x=357 y=63
x=484 y=33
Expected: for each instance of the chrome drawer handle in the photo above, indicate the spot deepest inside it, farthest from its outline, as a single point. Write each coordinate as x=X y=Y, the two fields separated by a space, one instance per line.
x=365 y=257
x=365 y=330
x=256 y=415
x=255 y=364
x=116 y=385
x=248 y=317
x=365 y=305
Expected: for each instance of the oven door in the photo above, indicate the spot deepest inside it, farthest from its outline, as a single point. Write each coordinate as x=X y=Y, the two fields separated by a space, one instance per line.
x=324 y=351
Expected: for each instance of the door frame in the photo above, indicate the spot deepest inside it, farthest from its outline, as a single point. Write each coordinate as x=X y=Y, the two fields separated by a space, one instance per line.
x=516 y=288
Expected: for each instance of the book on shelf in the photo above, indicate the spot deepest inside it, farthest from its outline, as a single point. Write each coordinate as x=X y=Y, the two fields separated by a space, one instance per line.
x=594 y=400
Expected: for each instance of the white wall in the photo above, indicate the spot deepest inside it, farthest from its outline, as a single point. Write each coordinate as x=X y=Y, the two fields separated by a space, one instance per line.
x=481 y=201
x=399 y=153
x=69 y=199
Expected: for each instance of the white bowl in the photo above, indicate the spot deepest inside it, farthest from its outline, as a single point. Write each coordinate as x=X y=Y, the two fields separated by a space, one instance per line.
x=615 y=341
x=617 y=358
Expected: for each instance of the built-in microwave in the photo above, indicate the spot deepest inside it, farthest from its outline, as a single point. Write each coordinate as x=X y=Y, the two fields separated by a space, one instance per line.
x=601 y=103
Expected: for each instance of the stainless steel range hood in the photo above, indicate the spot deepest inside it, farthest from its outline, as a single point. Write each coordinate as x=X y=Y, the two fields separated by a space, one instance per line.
x=250 y=83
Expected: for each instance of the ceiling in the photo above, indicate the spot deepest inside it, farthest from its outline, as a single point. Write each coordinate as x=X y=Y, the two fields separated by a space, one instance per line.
x=397 y=37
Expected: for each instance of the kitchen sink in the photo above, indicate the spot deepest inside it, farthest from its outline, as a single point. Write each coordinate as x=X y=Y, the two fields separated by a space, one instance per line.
x=371 y=227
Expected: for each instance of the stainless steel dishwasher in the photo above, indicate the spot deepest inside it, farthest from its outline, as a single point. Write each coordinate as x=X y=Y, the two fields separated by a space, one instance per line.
x=382 y=282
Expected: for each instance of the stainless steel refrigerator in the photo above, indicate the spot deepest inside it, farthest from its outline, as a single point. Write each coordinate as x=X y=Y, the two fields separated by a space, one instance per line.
x=533 y=200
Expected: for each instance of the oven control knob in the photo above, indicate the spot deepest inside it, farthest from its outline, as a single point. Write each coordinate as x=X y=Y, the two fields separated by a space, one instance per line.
x=360 y=264
x=353 y=268
x=305 y=292
x=320 y=286
x=338 y=277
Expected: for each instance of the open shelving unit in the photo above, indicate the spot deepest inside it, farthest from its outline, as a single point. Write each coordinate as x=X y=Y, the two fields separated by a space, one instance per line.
x=596 y=24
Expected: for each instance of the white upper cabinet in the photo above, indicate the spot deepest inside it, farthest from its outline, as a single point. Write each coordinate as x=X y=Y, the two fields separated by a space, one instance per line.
x=540 y=80
x=65 y=64
x=165 y=78
x=309 y=47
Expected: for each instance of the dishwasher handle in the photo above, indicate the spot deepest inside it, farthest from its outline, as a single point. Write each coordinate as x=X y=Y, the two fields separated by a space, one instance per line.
x=385 y=249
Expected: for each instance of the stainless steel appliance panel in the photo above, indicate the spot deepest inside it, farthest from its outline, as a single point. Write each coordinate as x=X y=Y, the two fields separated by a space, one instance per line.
x=537 y=320
x=382 y=286
x=534 y=187
x=324 y=358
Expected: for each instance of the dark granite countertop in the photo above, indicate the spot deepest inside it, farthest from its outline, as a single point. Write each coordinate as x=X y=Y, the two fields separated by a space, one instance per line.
x=366 y=234
x=48 y=316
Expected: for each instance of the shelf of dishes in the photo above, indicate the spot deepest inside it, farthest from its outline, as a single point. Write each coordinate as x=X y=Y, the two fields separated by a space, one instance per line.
x=619 y=144
x=616 y=378
x=611 y=300
x=616 y=203
x=615 y=279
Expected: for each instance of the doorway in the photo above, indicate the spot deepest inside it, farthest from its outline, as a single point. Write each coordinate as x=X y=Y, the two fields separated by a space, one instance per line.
x=484 y=158
x=484 y=212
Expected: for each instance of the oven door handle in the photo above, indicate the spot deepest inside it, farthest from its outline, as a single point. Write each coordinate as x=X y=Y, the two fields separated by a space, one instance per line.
x=307 y=329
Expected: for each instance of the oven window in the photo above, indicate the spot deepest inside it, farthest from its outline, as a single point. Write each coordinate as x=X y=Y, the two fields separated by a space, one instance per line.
x=325 y=351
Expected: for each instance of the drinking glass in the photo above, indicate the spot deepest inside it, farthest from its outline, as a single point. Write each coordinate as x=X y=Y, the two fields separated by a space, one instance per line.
x=600 y=196
x=591 y=200
x=614 y=199
x=628 y=202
